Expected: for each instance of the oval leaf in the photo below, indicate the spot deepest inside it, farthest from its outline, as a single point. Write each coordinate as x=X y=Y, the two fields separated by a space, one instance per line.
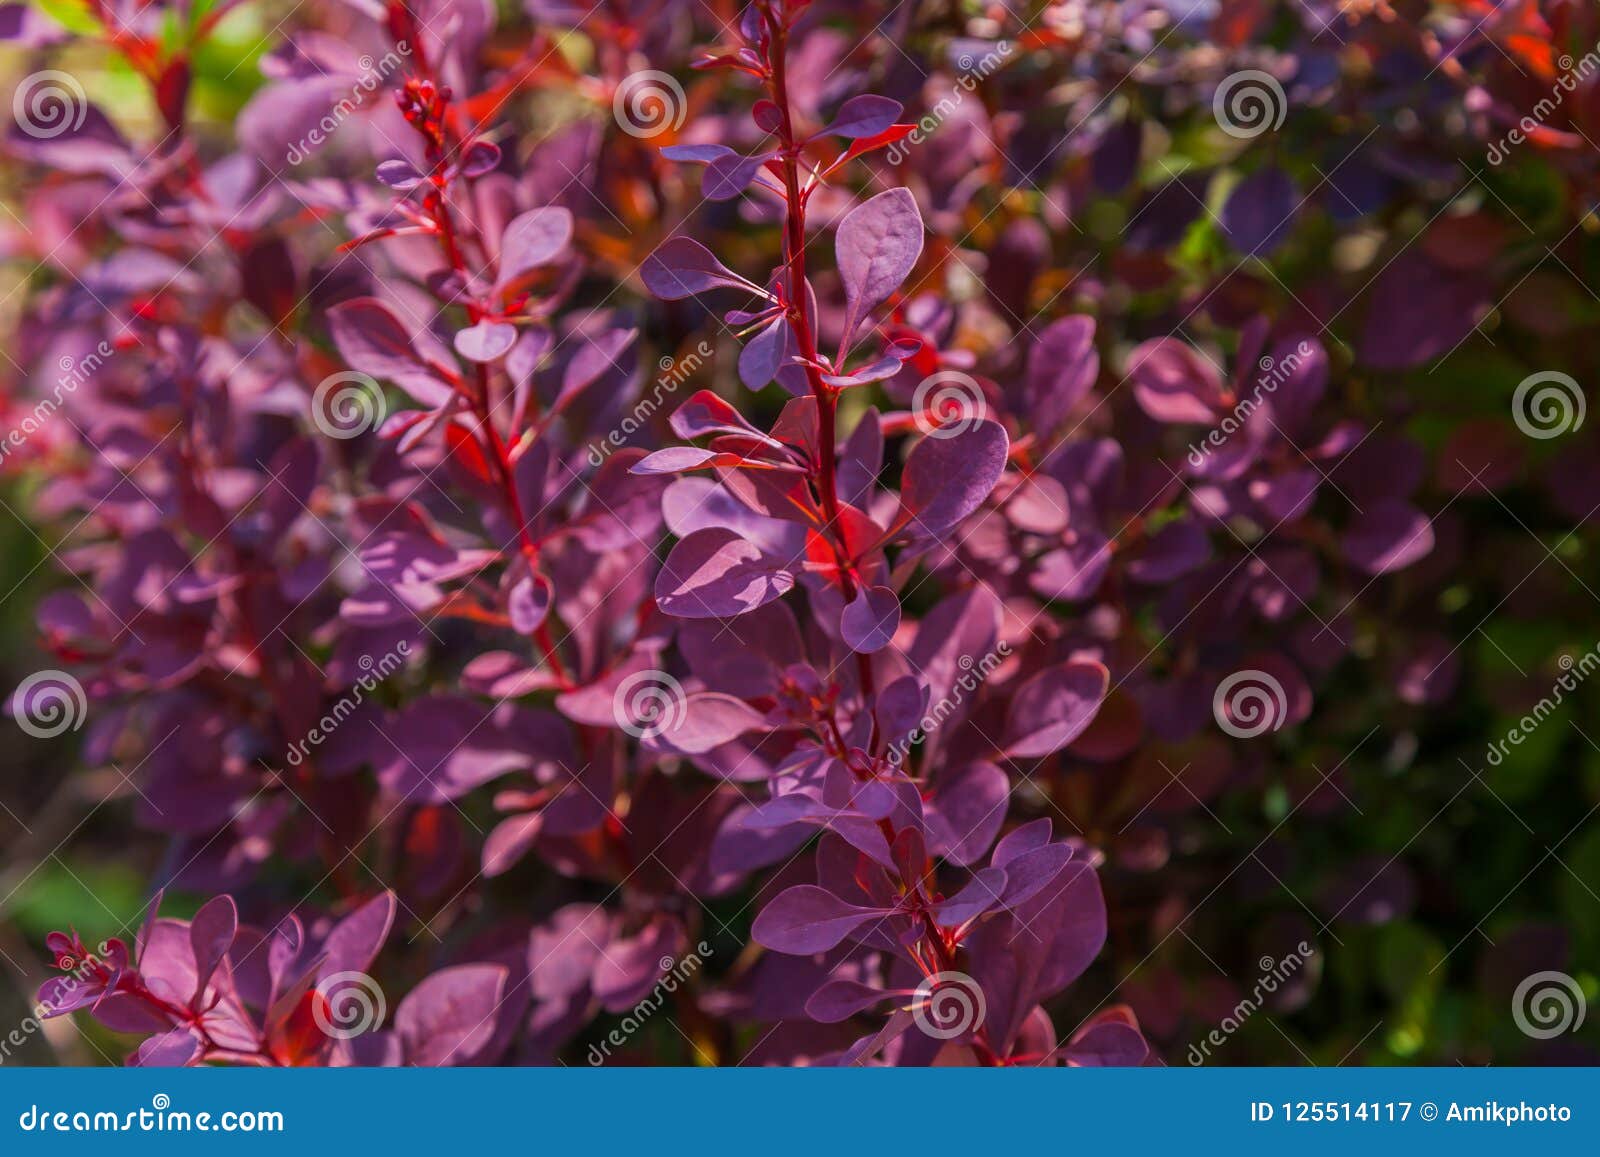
x=1053 y=708
x=877 y=245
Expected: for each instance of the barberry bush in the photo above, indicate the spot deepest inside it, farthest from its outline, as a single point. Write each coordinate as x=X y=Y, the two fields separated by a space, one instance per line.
x=676 y=532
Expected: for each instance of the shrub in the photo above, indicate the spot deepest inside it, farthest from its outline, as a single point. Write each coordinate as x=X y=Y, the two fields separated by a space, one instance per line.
x=796 y=516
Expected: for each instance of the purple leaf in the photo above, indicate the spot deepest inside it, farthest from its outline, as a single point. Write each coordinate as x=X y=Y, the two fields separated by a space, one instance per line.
x=739 y=848
x=878 y=370
x=628 y=968
x=966 y=810
x=1053 y=708
x=676 y=459
x=1420 y=310
x=438 y=748
x=1116 y=154
x=169 y=1050
x=1391 y=535
x=765 y=354
x=839 y=1000
x=696 y=154
x=1173 y=551
x=1062 y=367
x=399 y=174
x=1108 y=1044
x=528 y=603
x=682 y=267
x=948 y=476
x=534 y=238
x=878 y=244
x=371 y=339
x=482 y=157
x=1260 y=211
x=707 y=720
x=485 y=341
x=705 y=414
x=211 y=934
x=981 y=893
x=1075 y=572
x=354 y=942
x=728 y=176
x=1173 y=383
x=510 y=840
x=1029 y=837
x=450 y=1015
x=870 y=619
x=594 y=359
x=864 y=116
x=806 y=919
x=1028 y=873
x=716 y=573
x=767 y=115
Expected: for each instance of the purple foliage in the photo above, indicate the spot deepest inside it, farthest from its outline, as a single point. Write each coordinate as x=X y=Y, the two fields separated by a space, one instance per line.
x=387 y=614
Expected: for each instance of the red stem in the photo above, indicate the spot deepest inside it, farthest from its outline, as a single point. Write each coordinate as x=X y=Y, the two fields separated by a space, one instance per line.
x=799 y=313
x=827 y=397
x=494 y=448
x=799 y=301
